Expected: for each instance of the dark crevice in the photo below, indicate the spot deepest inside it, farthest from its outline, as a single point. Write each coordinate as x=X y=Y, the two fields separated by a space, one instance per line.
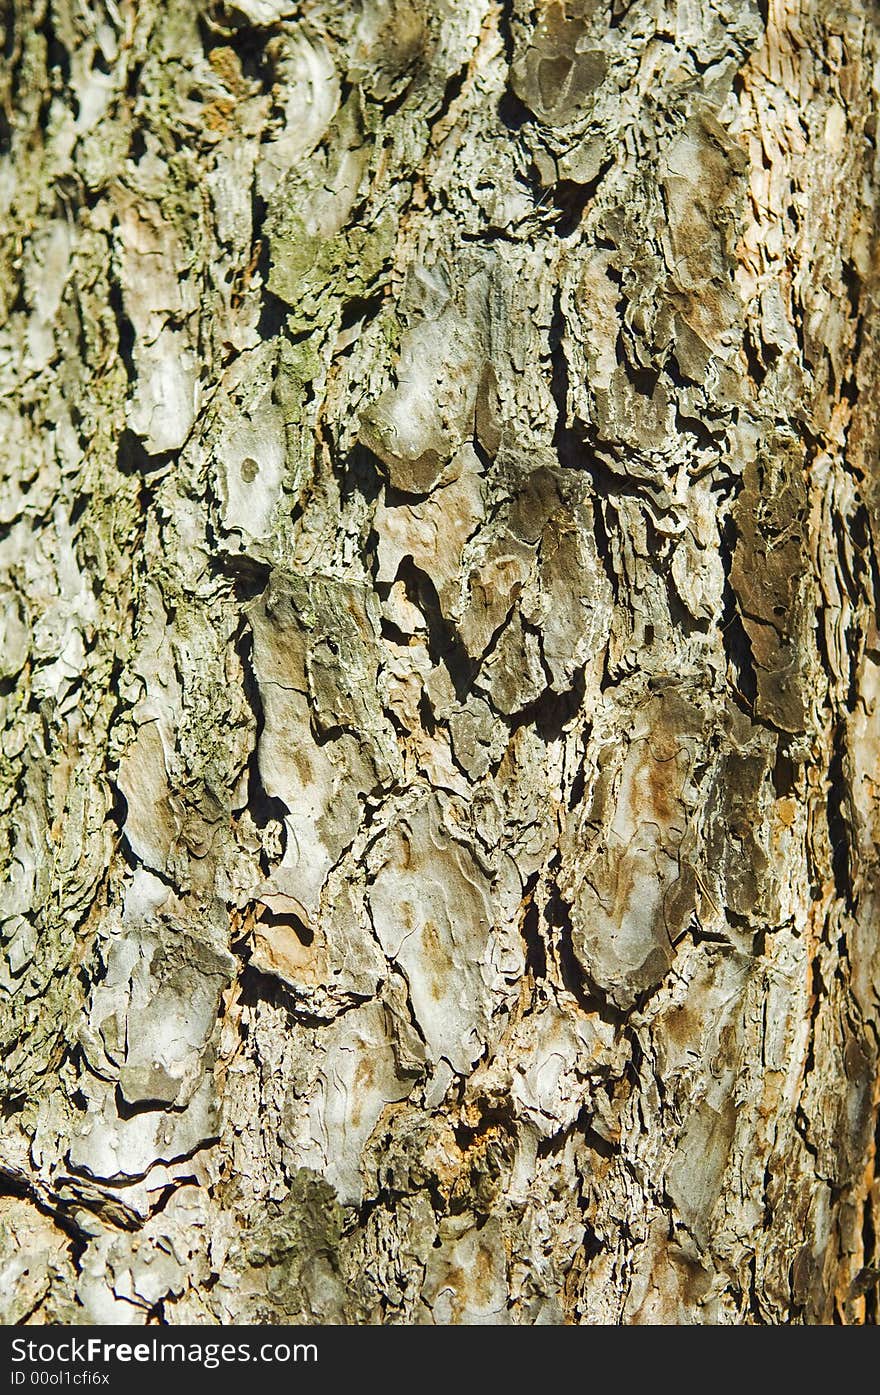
x=643 y=379
x=860 y=532
x=849 y=388
x=492 y=1116
x=573 y=977
x=361 y=308
x=359 y=479
x=505 y=29
x=16 y=1186
x=444 y=645
x=619 y=11
x=698 y=936
x=124 y=329
x=757 y=371
x=736 y=641
x=18 y=305
x=426 y=714
x=273 y=310
x=755 y=1308
x=80 y=505
x=784 y=771
x=698 y=429
x=156 y=1315
x=133 y=80
x=839 y=819
x=10 y=34
x=248 y=43
x=58 y=57
x=452 y=90
x=249 y=577
x=579 y=783
x=597 y=1144
x=572 y=199
x=850 y=570
x=486 y=460
x=261 y=806
x=871 y=1256
x=257 y=987
x=288 y=921
x=821 y=644
x=550 y=713
x=392 y=633
x=568 y=442
x=591 y=1246
x=536 y=951
x=117 y=815
x=551 y=1147
x=557 y=915
x=603 y=545
x=392 y=105
x=133 y=459
x=513 y=113
x=138 y=146
x=818 y=993
x=873 y=555
x=576 y=196
x=679 y=614
x=128 y=1110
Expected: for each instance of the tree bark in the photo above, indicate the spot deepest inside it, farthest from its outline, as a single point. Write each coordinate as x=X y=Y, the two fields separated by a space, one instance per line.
x=440 y=668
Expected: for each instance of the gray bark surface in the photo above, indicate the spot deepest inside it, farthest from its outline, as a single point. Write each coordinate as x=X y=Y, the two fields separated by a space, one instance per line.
x=440 y=668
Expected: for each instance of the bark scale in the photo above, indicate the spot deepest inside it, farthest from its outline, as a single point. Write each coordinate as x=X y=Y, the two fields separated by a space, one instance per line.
x=439 y=661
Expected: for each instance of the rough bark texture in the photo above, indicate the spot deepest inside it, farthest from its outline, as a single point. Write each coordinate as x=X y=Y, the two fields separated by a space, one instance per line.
x=440 y=674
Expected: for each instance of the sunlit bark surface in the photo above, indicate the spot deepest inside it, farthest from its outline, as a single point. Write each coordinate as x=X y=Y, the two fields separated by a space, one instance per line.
x=439 y=670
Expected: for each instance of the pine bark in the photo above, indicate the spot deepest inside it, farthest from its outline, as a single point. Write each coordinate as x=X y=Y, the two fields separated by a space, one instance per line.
x=440 y=668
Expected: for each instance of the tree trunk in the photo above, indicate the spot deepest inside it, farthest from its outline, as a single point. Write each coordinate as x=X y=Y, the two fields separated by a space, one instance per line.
x=440 y=672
